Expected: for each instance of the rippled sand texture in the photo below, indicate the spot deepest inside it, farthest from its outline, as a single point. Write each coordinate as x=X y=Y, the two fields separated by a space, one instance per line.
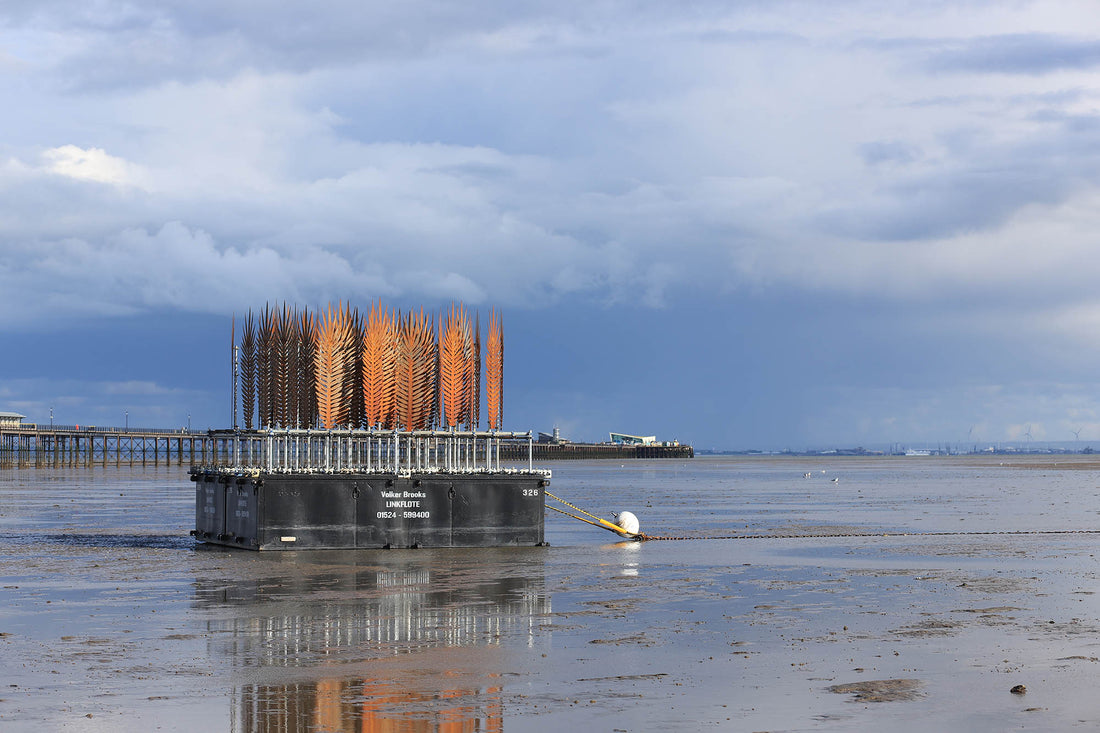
x=112 y=619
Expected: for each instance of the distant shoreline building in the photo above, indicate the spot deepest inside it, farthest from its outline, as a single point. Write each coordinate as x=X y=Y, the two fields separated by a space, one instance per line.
x=624 y=439
x=618 y=439
x=10 y=419
x=553 y=438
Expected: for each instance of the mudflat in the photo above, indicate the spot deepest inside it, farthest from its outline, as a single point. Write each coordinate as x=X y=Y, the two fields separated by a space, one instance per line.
x=919 y=593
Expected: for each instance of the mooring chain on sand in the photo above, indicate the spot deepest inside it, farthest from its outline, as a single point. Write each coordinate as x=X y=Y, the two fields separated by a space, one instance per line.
x=642 y=537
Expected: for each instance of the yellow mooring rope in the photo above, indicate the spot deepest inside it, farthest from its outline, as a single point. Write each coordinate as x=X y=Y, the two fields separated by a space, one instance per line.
x=602 y=523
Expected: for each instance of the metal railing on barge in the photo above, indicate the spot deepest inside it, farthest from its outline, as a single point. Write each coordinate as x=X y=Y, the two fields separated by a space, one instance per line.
x=357 y=450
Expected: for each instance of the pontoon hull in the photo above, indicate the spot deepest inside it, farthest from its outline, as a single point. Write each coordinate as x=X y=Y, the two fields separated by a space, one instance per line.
x=273 y=511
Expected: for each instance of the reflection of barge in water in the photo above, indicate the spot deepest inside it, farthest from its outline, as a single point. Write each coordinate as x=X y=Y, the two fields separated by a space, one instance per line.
x=336 y=489
x=392 y=605
x=365 y=642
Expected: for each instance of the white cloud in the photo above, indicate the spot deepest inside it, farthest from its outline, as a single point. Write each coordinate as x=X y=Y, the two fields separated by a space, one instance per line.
x=92 y=164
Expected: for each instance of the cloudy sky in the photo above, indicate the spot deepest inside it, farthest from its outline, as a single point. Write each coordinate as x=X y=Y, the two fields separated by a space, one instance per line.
x=741 y=224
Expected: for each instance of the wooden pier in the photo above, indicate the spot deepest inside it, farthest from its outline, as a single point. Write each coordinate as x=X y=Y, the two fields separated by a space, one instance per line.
x=30 y=446
x=27 y=446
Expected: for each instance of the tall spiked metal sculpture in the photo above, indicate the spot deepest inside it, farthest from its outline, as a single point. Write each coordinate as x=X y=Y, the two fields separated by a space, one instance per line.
x=307 y=380
x=248 y=371
x=332 y=362
x=379 y=366
x=380 y=369
x=264 y=340
x=453 y=364
x=494 y=373
x=415 y=372
x=473 y=378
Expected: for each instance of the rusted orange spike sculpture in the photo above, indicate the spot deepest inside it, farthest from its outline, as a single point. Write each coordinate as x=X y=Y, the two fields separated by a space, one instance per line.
x=405 y=372
x=379 y=370
x=379 y=363
x=427 y=360
x=467 y=375
x=330 y=362
x=494 y=373
x=473 y=378
x=437 y=380
x=452 y=366
x=414 y=373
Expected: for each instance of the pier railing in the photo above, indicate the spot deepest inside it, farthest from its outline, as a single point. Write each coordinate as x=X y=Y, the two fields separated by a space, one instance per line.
x=277 y=450
x=27 y=445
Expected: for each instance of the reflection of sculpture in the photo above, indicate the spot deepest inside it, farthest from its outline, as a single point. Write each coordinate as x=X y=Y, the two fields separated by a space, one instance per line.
x=367 y=647
x=369 y=706
x=384 y=369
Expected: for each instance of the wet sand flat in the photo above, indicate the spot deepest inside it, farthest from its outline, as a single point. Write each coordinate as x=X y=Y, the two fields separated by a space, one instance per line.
x=920 y=619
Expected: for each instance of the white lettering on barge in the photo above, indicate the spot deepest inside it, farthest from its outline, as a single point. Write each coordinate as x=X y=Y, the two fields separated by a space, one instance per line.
x=407 y=500
x=404 y=515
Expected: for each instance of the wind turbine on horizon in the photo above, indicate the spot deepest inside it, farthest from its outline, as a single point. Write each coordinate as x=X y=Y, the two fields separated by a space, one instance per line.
x=1027 y=434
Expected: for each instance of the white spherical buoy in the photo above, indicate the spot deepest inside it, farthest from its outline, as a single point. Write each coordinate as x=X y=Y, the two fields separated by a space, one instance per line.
x=628 y=522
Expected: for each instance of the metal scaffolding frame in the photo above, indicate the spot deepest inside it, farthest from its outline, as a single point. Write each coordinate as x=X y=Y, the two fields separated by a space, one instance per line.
x=357 y=450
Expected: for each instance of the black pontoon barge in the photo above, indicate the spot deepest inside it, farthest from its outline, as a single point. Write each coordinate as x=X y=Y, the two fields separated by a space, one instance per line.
x=336 y=489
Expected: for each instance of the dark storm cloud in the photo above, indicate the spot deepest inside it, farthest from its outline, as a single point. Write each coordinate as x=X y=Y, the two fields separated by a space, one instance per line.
x=941 y=205
x=980 y=186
